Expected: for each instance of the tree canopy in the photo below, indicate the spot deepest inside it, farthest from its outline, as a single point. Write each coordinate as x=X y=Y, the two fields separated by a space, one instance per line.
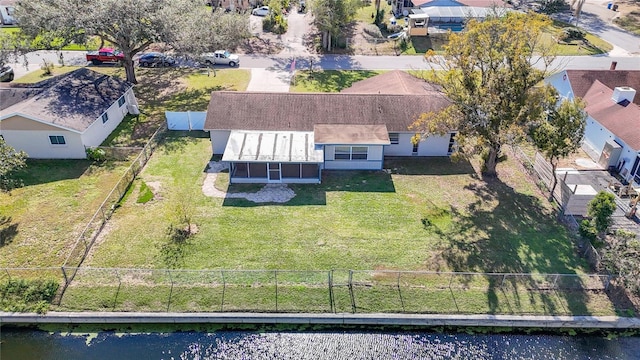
x=10 y=161
x=130 y=25
x=560 y=134
x=492 y=72
x=331 y=16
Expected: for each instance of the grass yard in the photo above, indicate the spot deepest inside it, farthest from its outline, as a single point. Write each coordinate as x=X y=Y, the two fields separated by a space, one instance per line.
x=91 y=45
x=592 y=45
x=40 y=222
x=329 y=80
x=428 y=214
x=422 y=214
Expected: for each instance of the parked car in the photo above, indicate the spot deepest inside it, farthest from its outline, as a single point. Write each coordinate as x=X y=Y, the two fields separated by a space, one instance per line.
x=156 y=59
x=105 y=55
x=221 y=57
x=261 y=11
x=6 y=73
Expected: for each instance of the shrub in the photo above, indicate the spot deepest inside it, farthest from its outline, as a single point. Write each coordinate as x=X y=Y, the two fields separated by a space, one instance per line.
x=373 y=30
x=394 y=29
x=587 y=230
x=27 y=295
x=95 y=154
x=276 y=24
x=47 y=68
x=569 y=34
x=600 y=210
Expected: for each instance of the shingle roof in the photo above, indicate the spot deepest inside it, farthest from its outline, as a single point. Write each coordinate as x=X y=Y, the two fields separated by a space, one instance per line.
x=73 y=100
x=624 y=121
x=393 y=82
x=231 y=110
x=581 y=80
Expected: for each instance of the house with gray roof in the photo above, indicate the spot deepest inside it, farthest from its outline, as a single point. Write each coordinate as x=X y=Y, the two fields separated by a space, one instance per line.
x=612 y=132
x=292 y=137
x=61 y=117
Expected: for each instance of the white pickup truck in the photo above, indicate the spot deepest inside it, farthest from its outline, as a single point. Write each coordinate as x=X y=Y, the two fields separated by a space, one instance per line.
x=221 y=57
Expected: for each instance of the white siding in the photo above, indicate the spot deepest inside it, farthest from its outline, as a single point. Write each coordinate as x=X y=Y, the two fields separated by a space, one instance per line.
x=99 y=131
x=560 y=81
x=219 y=140
x=432 y=146
x=595 y=135
x=37 y=145
x=374 y=160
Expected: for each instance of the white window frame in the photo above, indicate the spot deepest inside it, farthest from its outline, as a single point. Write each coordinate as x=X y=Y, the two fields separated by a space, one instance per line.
x=394 y=138
x=121 y=101
x=57 y=137
x=105 y=117
x=349 y=156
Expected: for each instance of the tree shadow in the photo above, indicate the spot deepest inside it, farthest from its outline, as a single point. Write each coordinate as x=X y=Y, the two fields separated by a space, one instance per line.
x=513 y=233
x=39 y=171
x=333 y=81
x=8 y=230
x=433 y=165
x=177 y=140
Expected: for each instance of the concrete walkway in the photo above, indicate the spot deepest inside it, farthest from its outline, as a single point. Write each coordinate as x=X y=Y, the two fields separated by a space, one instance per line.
x=551 y=322
x=271 y=79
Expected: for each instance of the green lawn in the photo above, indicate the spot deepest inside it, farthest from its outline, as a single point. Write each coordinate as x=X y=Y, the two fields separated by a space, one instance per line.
x=91 y=45
x=44 y=218
x=328 y=80
x=422 y=214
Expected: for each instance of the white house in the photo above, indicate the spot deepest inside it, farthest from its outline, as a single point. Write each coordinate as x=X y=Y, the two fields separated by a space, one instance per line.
x=292 y=137
x=612 y=133
x=59 y=118
x=7 y=9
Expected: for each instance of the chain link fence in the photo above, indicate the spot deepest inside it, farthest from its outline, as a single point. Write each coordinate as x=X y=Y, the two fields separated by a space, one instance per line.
x=337 y=291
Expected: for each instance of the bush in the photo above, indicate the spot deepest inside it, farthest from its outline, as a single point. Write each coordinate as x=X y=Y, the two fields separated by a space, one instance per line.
x=373 y=30
x=392 y=29
x=95 y=154
x=27 y=295
x=47 y=68
x=569 y=34
x=276 y=24
x=587 y=230
x=600 y=209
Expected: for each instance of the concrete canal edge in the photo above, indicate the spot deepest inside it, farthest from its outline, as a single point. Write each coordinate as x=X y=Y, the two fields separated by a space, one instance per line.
x=423 y=320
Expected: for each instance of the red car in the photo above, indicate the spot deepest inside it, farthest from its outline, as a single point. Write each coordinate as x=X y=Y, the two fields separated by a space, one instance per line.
x=105 y=55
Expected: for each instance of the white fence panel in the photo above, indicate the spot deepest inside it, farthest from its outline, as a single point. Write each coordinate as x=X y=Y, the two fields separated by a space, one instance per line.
x=190 y=120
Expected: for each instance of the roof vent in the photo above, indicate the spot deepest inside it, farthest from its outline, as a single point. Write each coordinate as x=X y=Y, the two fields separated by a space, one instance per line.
x=622 y=93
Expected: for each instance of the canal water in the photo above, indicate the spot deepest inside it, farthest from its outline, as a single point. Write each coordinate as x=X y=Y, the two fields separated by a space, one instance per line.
x=30 y=344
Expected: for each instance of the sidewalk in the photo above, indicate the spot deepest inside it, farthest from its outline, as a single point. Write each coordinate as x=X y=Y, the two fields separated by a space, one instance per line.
x=517 y=321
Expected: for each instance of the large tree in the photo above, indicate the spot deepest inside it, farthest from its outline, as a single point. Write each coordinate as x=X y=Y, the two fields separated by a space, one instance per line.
x=331 y=17
x=491 y=74
x=130 y=25
x=560 y=133
x=10 y=161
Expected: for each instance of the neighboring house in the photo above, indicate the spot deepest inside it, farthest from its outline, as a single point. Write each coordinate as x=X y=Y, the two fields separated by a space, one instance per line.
x=7 y=9
x=292 y=137
x=612 y=133
x=443 y=15
x=60 y=117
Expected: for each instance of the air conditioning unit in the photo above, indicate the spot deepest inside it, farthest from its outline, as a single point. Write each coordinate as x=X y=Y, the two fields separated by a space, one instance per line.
x=133 y=110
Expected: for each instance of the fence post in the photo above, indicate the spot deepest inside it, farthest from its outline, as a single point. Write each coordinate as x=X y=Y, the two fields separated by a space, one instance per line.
x=170 y=290
x=331 y=303
x=452 y=294
x=399 y=291
x=353 y=299
x=275 y=274
x=9 y=276
x=503 y=278
x=224 y=288
x=606 y=286
x=64 y=273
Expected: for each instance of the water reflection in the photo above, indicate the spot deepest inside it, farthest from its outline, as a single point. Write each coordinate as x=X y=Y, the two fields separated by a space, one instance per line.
x=23 y=344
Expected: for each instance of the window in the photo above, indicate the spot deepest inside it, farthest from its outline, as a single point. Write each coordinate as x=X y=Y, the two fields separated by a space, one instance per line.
x=121 y=101
x=359 y=153
x=342 y=153
x=415 y=148
x=105 y=118
x=452 y=142
x=351 y=153
x=57 y=140
x=394 y=138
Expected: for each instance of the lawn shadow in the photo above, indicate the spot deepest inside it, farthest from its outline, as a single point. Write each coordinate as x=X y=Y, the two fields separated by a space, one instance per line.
x=8 y=230
x=518 y=236
x=333 y=81
x=177 y=140
x=40 y=171
x=440 y=165
x=316 y=194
